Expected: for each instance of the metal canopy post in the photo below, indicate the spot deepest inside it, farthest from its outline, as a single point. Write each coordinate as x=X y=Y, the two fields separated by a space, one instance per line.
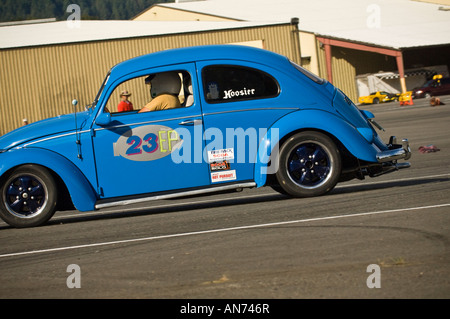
x=401 y=70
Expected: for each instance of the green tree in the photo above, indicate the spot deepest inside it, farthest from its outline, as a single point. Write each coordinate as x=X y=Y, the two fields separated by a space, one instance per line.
x=17 y=10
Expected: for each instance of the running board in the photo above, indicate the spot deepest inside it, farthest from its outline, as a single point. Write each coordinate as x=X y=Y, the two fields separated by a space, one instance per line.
x=175 y=195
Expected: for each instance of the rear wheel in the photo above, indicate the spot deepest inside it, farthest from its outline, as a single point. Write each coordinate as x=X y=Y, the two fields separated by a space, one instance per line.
x=28 y=197
x=309 y=165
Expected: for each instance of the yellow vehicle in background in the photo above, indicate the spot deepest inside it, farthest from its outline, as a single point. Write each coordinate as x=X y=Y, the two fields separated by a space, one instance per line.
x=378 y=97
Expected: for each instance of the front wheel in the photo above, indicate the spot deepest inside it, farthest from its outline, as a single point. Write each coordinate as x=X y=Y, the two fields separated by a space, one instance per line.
x=28 y=197
x=309 y=165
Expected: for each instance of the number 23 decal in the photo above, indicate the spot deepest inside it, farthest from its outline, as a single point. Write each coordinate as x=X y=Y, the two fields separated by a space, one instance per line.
x=147 y=143
x=136 y=142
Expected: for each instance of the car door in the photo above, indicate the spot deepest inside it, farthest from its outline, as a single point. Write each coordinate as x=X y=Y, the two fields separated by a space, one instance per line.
x=240 y=101
x=443 y=87
x=140 y=153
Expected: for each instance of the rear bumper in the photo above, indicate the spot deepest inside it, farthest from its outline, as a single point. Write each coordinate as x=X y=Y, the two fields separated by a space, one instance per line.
x=386 y=162
x=395 y=151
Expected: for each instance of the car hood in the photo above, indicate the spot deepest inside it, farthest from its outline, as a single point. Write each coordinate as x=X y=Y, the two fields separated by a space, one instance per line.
x=44 y=128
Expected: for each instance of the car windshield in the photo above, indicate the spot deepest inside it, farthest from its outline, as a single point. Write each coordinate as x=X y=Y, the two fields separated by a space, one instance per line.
x=309 y=74
x=427 y=84
x=100 y=91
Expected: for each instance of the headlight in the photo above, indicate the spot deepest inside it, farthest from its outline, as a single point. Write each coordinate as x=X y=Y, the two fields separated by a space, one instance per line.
x=419 y=92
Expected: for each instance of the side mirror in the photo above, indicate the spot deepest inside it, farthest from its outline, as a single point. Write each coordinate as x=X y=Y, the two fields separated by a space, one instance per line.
x=103 y=119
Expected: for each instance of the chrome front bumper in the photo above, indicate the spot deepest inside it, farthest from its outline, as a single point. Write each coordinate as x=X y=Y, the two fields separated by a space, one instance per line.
x=395 y=152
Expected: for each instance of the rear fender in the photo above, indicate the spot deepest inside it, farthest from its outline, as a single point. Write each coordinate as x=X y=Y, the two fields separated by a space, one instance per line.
x=303 y=120
x=81 y=192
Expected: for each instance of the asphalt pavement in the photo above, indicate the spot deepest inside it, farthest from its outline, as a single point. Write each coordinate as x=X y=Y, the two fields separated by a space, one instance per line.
x=386 y=237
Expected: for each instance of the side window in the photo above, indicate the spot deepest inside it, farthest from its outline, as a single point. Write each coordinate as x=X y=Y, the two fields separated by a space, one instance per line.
x=229 y=83
x=136 y=94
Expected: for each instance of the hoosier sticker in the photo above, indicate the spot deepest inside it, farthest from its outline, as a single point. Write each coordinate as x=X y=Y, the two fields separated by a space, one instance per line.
x=223 y=176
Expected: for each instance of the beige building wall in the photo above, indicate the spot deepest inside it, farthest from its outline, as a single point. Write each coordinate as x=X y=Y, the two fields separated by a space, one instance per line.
x=343 y=71
x=41 y=82
x=308 y=47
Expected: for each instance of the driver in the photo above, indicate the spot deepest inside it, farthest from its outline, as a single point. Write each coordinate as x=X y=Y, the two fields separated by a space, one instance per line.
x=164 y=91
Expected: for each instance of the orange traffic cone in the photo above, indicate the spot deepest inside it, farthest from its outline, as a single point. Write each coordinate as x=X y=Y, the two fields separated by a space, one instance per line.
x=406 y=98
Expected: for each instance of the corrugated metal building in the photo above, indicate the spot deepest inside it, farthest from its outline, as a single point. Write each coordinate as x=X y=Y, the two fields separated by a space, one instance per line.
x=45 y=66
x=343 y=39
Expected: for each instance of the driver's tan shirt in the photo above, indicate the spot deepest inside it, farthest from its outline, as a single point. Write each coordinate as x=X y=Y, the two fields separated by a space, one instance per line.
x=162 y=102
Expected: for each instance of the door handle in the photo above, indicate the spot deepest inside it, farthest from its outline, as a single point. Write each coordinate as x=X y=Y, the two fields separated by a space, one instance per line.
x=191 y=122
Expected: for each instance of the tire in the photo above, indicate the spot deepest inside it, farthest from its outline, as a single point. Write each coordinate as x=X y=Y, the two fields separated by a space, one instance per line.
x=309 y=165
x=376 y=101
x=28 y=197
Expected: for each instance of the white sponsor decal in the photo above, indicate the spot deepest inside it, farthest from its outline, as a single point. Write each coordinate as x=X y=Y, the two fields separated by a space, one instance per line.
x=223 y=176
x=244 y=92
x=220 y=155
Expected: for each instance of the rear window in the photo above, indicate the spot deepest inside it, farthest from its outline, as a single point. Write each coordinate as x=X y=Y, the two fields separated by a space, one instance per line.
x=309 y=74
x=229 y=83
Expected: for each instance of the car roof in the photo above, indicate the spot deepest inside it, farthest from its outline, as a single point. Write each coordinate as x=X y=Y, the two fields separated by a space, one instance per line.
x=201 y=53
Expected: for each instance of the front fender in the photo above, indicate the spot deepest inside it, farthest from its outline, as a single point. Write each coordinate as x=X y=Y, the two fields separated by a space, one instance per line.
x=324 y=121
x=80 y=190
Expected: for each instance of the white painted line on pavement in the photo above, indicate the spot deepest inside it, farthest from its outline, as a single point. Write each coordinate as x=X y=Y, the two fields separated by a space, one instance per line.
x=202 y=232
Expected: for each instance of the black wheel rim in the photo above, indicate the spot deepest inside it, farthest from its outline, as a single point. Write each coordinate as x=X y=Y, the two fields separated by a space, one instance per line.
x=25 y=196
x=309 y=165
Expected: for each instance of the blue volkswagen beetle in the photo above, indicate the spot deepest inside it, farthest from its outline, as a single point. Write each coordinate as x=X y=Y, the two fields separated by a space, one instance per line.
x=198 y=120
